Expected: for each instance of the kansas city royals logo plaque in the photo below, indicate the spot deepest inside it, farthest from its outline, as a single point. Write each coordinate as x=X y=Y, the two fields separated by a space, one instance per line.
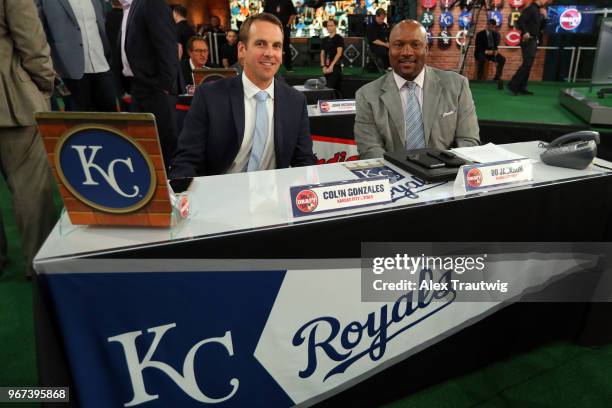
x=108 y=167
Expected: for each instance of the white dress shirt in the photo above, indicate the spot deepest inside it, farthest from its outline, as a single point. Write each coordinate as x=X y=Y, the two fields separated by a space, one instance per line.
x=93 y=50
x=126 y=71
x=268 y=160
x=419 y=81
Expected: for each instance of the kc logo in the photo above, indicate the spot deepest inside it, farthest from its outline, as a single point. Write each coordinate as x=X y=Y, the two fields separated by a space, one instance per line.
x=185 y=380
x=105 y=169
x=109 y=176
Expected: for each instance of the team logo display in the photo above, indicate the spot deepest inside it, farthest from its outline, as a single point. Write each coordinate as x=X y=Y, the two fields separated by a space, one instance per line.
x=105 y=169
x=324 y=107
x=517 y=3
x=474 y=177
x=465 y=19
x=429 y=38
x=570 y=19
x=446 y=3
x=306 y=201
x=496 y=3
x=466 y=4
x=461 y=38
x=497 y=16
x=427 y=18
x=513 y=37
x=446 y=19
x=428 y=4
x=445 y=39
x=513 y=18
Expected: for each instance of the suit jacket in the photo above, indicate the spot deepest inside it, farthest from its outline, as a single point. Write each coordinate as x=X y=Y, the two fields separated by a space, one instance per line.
x=64 y=36
x=186 y=72
x=449 y=116
x=482 y=44
x=151 y=46
x=26 y=72
x=214 y=129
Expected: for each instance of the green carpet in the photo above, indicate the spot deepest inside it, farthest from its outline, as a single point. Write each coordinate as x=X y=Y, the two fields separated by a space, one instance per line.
x=556 y=375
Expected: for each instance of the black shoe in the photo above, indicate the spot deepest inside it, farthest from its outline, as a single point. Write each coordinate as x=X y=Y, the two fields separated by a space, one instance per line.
x=525 y=92
x=500 y=84
x=513 y=91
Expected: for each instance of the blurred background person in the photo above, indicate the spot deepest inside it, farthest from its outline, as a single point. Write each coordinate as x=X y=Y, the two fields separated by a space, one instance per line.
x=198 y=52
x=150 y=58
x=80 y=52
x=28 y=75
x=332 y=47
x=184 y=31
x=229 y=50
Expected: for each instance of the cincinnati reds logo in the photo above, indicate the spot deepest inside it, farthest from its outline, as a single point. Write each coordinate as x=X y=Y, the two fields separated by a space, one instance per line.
x=428 y=4
x=306 y=201
x=570 y=19
x=474 y=177
x=513 y=38
x=325 y=107
x=517 y=3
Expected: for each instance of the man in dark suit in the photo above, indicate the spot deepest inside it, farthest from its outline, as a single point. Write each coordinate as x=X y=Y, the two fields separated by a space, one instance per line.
x=487 y=42
x=286 y=13
x=80 y=52
x=150 y=58
x=197 y=48
x=183 y=30
x=250 y=122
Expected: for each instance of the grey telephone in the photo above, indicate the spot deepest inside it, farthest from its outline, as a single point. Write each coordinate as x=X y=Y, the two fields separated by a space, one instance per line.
x=574 y=150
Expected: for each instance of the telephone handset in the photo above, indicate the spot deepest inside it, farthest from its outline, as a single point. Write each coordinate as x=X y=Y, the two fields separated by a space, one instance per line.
x=574 y=150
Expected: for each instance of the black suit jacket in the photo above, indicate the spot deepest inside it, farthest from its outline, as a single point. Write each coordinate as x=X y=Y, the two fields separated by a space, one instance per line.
x=186 y=72
x=214 y=129
x=151 y=46
x=482 y=44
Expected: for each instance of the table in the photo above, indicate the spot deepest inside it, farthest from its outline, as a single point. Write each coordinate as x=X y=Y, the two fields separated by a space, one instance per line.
x=232 y=297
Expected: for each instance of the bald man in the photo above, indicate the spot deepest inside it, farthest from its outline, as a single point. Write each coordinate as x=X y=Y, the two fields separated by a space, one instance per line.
x=415 y=105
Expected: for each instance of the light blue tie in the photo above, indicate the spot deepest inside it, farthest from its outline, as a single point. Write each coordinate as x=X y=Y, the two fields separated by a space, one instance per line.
x=260 y=135
x=415 y=136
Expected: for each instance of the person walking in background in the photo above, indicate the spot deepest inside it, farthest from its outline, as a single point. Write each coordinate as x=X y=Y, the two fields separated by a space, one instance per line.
x=183 y=30
x=531 y=22
x=27 y=81
x=286 y=13
x=80 y=52
x=332 y=47
x=150 y=58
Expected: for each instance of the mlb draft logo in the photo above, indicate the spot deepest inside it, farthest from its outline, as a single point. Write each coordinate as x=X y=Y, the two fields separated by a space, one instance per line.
x=570 y=19
x=306 y=201
x=105 y=169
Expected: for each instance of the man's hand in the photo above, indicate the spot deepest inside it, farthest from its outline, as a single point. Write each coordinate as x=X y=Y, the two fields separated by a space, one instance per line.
x=544 y=12
x=526 y=37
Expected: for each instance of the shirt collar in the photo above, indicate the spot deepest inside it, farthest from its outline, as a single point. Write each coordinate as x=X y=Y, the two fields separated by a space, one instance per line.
x=250 y=89
x=419 y=80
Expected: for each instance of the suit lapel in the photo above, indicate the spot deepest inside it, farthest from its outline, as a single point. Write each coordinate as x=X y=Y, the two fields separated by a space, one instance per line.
x=237 y=104
x=431 y=98
x=69 y=10
x=390 y=97
x=278 y=131
x=135 y=4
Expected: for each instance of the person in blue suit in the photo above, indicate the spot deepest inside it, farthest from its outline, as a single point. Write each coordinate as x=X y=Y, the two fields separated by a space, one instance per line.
x=249 y=122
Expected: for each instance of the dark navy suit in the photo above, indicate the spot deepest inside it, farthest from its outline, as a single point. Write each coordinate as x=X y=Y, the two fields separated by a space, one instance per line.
x=214 y=129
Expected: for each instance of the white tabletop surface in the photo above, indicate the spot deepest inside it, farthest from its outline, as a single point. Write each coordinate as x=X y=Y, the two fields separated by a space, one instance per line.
x=228 y=204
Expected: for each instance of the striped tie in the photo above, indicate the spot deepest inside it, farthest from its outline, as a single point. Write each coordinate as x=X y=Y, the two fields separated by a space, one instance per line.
x=260 y=135
x=415 y=136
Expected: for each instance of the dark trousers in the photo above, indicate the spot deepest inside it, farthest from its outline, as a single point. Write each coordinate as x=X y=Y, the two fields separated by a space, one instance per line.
x=499 y=59
x=519 y=80
x=23 y=163
x=163 y=107
x=93 y=92
x=382 y=53
x=335 y=78
x=287 y=49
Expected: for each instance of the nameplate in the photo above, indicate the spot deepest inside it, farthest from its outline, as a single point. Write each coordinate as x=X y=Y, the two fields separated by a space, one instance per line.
x=337 y=106
x=498 y=174
x=327 y=197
